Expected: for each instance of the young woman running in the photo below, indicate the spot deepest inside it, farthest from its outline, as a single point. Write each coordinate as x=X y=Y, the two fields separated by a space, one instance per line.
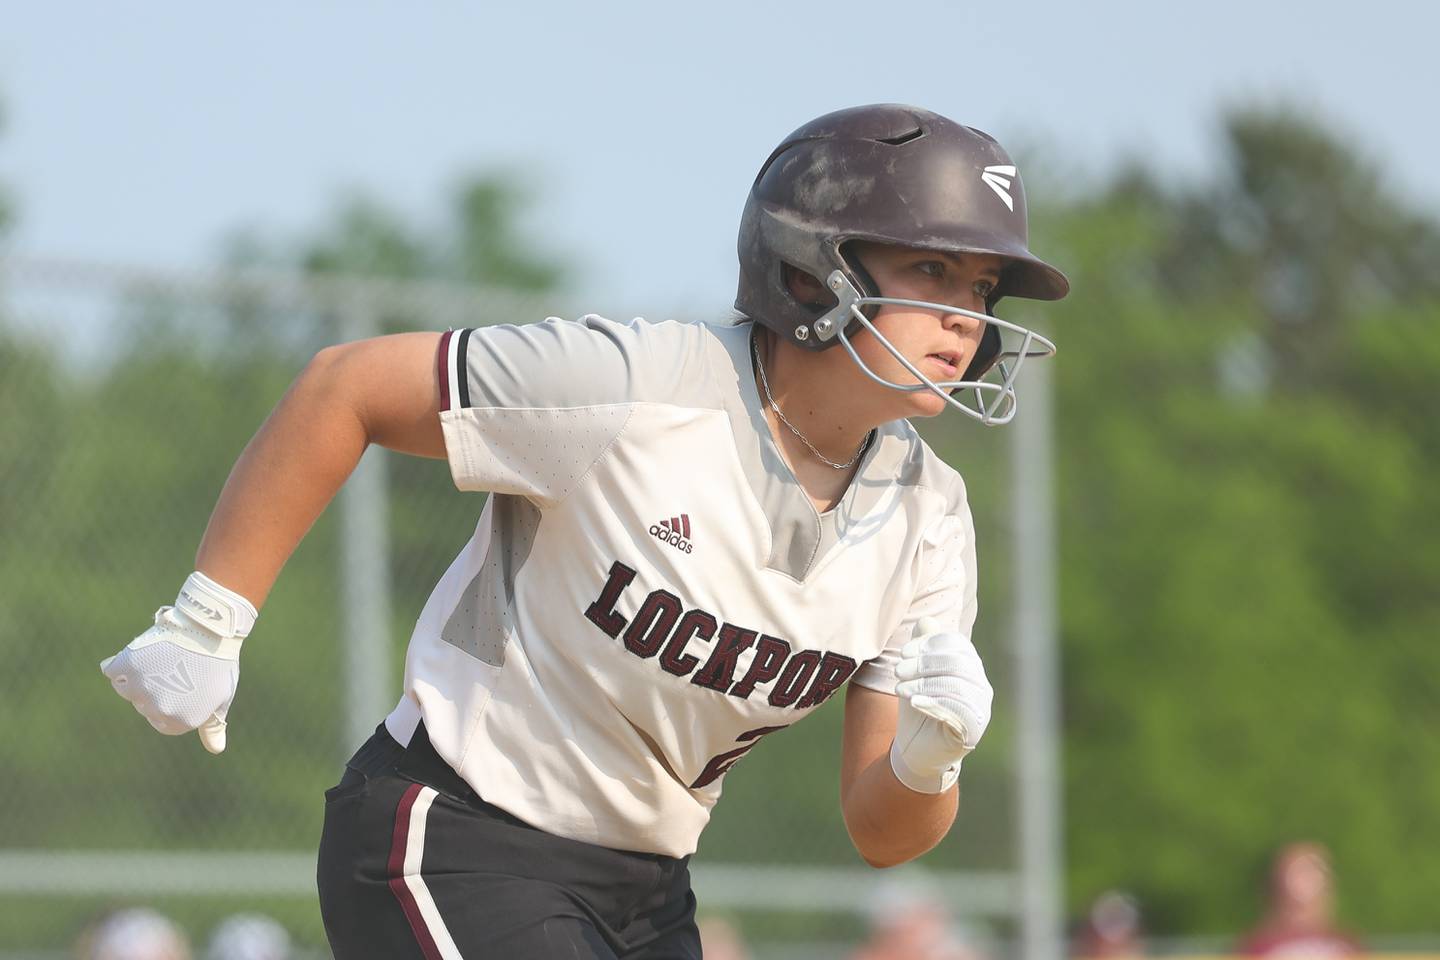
x=696 y=534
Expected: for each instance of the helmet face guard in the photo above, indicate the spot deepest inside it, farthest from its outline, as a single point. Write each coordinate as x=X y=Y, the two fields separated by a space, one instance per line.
x=901 y=176
x=992 y=398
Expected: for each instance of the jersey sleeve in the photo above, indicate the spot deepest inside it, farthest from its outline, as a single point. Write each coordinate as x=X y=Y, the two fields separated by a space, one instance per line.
x=529 y=410
x=948 y=594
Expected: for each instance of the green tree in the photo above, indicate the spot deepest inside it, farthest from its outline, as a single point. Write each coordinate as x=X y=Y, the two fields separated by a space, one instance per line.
x=481 y=242
x=1247 y=426
x=1311 y=228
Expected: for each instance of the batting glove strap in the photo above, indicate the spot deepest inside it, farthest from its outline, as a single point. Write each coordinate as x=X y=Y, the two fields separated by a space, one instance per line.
x=926 y=778
x=221 y=611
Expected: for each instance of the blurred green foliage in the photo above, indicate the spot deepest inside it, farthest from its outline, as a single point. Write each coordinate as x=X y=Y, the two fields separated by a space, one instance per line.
x=480 y=242
x=1247 y=434
x=1247 y=421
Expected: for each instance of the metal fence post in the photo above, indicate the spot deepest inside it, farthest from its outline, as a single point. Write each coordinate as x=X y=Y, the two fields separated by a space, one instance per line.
x=1037 y=691
x=365 y=577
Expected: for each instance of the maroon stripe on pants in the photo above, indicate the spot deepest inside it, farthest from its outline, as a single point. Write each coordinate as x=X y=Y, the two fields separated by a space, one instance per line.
x=445 y=369
x=396 y=871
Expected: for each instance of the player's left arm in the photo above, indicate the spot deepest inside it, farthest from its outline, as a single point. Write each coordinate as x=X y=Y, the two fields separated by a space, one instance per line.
x=901 y=754
x=888 y=822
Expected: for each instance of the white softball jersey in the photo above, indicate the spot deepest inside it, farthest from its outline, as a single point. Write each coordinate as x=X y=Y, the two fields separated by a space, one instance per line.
x=649 y=592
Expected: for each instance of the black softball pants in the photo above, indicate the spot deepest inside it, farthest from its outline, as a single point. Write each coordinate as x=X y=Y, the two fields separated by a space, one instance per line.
x=415 y=866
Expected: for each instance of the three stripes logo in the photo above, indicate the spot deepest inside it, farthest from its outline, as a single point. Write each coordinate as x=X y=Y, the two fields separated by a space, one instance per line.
x=675 y=531
x=998 y=178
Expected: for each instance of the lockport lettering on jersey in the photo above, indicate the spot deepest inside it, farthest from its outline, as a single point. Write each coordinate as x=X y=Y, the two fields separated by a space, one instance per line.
x=663 y=626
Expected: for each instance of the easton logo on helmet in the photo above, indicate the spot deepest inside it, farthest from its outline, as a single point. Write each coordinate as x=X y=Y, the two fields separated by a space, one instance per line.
x=675 y=531
x=997 y=178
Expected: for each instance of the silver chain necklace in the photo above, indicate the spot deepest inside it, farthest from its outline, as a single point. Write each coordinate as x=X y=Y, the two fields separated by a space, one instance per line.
x=765 y=384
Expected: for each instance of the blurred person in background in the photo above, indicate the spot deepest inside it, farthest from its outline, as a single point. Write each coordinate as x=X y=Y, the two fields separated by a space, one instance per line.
x=1112 y=929
x=134 y=933
x=721 y=940
x=1299 y=919
x=908 y=921
x=248 y=936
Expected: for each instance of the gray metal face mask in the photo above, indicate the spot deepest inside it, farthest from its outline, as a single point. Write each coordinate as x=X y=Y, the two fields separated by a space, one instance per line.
x=993 y=400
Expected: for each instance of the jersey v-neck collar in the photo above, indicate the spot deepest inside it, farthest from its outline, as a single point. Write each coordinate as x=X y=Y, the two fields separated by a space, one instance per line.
x=801 y=538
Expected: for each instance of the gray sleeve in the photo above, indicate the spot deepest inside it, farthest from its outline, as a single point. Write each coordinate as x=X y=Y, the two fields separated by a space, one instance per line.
x=528 y=410
x=948 y=594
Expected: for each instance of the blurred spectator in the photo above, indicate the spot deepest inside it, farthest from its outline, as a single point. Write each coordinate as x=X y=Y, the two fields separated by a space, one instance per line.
x=134 y=934
x=1299 y=921
x=908 y=921
x=248 y=936
x=1112 y=929
x=720 y=940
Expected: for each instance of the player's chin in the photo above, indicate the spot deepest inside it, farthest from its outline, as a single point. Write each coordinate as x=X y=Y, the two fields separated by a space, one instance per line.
x=927 y=403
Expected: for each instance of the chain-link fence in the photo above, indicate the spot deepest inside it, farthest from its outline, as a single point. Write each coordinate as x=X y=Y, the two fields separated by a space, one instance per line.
x=125 y=396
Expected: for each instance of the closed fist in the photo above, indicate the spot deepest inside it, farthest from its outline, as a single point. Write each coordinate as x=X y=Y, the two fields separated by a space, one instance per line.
x=945 y=701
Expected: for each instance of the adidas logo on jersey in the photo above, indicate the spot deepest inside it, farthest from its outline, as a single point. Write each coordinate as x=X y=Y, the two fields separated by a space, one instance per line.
x=675 y=531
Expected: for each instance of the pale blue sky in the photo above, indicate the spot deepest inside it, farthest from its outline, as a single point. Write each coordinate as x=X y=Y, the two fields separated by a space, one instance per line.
x=143 y=133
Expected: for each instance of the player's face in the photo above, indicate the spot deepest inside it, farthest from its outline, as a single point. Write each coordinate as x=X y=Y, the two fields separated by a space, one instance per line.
x=941 y=344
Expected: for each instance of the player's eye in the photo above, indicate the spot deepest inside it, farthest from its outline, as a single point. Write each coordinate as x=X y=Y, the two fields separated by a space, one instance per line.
x=984 y=288
x=931 y=268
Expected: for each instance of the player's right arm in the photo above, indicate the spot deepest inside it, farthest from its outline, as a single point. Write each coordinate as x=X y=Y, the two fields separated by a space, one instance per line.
x=381 y=391
x=181 y=673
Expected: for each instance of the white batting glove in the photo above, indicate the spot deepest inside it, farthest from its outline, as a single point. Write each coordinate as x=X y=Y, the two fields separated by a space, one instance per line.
x=944 y=707
x=181 y=673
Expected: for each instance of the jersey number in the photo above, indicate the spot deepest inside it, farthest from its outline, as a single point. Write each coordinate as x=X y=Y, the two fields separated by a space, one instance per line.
x=721 y=762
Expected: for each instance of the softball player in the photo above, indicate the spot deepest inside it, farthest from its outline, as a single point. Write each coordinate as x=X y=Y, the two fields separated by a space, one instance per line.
x=696 y=534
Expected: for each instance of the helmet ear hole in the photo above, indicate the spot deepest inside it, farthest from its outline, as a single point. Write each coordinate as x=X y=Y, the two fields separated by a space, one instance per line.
x=806 y=289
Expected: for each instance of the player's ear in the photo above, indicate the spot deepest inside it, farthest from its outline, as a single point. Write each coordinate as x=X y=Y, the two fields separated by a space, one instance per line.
x=804 y=288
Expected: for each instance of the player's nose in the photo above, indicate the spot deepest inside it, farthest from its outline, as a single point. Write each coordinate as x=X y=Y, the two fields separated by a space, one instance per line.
x=964 y=323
